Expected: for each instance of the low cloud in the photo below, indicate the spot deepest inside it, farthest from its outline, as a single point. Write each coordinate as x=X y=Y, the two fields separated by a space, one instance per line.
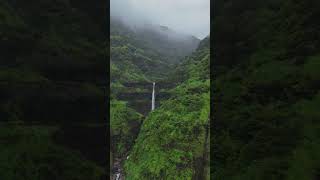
x=185 y=16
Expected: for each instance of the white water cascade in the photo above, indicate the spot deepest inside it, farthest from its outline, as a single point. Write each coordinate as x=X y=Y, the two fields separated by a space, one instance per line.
x=153 y=97
x=117 y=176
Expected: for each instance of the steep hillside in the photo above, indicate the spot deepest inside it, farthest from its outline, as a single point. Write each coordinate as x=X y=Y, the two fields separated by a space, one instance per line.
x=143 y=54
x=138 y=54
x=173 y=142
x=266 y=83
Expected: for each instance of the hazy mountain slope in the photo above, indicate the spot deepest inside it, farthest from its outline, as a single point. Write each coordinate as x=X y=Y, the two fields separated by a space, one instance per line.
x=170 y=44
x=146 y=52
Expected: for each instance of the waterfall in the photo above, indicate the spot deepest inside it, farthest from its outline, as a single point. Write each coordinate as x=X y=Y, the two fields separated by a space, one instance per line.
x=153 y=97
x=117 y=176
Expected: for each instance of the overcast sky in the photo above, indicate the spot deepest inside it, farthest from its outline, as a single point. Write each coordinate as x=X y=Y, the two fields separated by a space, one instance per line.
x=186 y=16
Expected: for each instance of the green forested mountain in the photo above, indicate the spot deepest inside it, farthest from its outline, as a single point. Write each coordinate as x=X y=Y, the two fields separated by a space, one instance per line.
x=156 y=145
x=173 y=142
x=138 y=54
x=52 y=56
x=266 y=90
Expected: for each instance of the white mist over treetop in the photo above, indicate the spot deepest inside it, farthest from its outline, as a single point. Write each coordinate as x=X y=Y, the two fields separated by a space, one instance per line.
x=184 y=16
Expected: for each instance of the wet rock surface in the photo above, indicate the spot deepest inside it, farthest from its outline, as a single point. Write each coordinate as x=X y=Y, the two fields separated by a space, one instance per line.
x=117 y=170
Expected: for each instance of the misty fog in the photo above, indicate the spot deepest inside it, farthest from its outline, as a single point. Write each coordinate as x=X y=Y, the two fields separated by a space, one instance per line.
x=183 y=16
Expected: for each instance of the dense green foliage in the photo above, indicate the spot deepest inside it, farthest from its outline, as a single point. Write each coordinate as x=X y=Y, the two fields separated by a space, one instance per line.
x=52 y=56
x=29 y=153
x=37 y=52
x=173 y=142
x=266 y=84
x=124 y=122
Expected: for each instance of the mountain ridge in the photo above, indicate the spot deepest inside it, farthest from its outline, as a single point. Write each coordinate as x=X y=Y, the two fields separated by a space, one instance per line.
x=148 y=49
